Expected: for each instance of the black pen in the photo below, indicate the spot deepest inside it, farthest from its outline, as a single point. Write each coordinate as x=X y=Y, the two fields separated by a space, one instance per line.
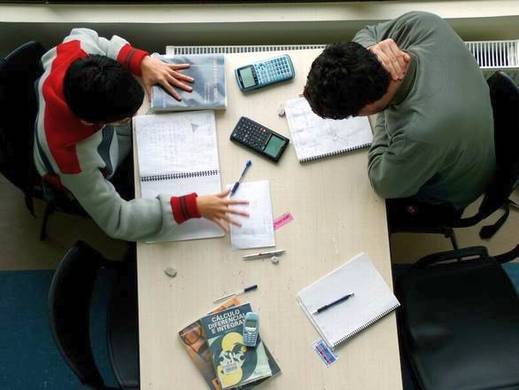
x=323 y=308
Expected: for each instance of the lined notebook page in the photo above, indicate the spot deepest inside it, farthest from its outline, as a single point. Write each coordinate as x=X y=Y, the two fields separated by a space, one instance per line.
x=178 y=154
x=372 y=300
x=257 y=231
x=176 y=143
x=314 y=137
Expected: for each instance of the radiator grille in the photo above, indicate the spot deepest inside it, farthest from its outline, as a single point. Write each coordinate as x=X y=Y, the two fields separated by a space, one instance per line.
x=182 y=50
x=488 y=54
x=495 y=54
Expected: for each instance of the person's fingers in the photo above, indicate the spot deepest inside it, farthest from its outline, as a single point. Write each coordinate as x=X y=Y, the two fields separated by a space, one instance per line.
x=224 y=194
x=399 y=56
x=231 y=221
x=398 y=69
x=238 y=212
x=387 y=64
x=223 y=225
x=148 y=91
x=236 y=201
x=178 y=66
x=181 y=76
x=170 y=89
x=176 y=83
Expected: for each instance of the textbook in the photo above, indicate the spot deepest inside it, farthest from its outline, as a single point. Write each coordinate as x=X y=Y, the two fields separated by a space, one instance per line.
x=336 y=318
x=209 y=88
x=235 y=364
x=177 y=155
x=195 y=343
x=315 y=138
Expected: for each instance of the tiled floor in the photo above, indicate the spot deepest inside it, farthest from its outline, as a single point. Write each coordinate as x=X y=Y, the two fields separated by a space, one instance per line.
x=22 y=249
x=20 y=246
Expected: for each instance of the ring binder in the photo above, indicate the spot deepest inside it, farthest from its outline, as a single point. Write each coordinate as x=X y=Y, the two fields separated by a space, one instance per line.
x=179 y=175
x=335 y=153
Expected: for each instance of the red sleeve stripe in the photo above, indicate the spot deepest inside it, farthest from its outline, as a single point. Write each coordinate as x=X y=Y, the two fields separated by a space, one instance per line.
x=63 y=130
x=184 y=207
x=131 y=58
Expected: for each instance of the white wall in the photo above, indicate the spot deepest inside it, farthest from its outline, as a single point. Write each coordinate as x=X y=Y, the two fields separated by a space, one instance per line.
x=154 y=26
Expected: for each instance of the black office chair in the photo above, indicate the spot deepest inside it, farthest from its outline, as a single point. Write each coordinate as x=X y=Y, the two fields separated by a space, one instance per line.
x=459 y=321
x=19 y=72
x=69 y=307
x=504 y=95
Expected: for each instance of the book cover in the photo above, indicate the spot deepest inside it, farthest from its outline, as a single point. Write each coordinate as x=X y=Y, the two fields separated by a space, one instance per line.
x=209 y=89
x=235 y=364
x=195 y=343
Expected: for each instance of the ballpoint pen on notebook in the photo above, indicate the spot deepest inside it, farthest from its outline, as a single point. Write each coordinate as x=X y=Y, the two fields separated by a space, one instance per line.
x=248 y=163
x=239 y=292
x=259 y=255
x=325 y=307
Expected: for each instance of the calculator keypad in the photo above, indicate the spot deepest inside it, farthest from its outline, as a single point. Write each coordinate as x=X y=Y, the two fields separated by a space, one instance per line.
x=250 y=339
x=251 y=134
x=272 y=71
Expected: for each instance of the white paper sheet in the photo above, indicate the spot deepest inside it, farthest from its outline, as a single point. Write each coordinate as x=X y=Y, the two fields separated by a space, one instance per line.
x=257 y=231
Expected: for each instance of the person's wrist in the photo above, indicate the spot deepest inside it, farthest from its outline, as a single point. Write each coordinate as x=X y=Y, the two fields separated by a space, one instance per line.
x=145 y=63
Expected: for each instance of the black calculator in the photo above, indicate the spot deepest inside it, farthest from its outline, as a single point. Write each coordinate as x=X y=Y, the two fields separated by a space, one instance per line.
x=257 y=137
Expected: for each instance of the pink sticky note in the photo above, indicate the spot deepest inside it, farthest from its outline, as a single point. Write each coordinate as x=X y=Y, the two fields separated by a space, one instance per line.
x=282 y=220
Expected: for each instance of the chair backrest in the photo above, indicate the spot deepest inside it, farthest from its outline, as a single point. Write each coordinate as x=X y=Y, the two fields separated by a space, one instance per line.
x=459 y=321
x=18 y=106
x=504 y=95
x=69 y=307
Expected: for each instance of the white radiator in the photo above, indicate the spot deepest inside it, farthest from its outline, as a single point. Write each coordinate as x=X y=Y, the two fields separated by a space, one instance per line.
x=488 y=54
x=495 y=54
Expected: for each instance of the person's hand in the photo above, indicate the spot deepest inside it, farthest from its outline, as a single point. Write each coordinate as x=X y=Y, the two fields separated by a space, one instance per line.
x=392 y=58
x=217 y=208
x=155 y=71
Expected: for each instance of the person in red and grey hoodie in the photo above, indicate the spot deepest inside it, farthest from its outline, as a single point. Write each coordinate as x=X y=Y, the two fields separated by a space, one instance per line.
x=87 y=96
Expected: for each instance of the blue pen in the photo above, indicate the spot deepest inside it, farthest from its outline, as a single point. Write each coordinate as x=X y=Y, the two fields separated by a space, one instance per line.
x=248 y=163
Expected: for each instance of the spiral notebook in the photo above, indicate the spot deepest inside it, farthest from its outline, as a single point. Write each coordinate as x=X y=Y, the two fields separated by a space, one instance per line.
x=178 y=154
x=371 y=301
x=315 y=138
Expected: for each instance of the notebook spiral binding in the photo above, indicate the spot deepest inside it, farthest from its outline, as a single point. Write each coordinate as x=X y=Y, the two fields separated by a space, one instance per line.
x=179 y=175
x=333 y=154
x=369 y=323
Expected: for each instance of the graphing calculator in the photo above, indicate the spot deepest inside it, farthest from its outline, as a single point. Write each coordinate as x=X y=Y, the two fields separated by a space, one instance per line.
x=263 y=73
x=260 y=139
x=250 y=329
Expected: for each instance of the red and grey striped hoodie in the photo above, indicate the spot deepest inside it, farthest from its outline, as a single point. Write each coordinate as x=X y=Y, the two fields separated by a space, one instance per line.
x=82 y=158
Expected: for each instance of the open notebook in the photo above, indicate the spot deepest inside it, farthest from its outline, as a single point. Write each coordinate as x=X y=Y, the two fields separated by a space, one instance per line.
x=314 y=137
x=178 y=154
x=372 y=300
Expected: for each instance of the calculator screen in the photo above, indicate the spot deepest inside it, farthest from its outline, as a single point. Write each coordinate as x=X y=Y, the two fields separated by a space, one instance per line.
x=274 y=145
x=247 y=77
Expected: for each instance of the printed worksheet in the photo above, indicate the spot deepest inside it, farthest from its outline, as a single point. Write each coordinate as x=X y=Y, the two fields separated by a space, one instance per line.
x=257 y=231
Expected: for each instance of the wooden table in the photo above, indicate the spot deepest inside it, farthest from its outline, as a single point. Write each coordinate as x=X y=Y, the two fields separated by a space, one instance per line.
x=337 y=215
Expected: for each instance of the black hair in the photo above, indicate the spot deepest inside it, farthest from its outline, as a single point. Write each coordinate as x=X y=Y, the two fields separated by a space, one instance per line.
x=98 y=89
x=343 y=79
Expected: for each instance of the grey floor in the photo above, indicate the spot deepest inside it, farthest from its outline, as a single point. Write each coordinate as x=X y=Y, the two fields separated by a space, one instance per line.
x=21 y=248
